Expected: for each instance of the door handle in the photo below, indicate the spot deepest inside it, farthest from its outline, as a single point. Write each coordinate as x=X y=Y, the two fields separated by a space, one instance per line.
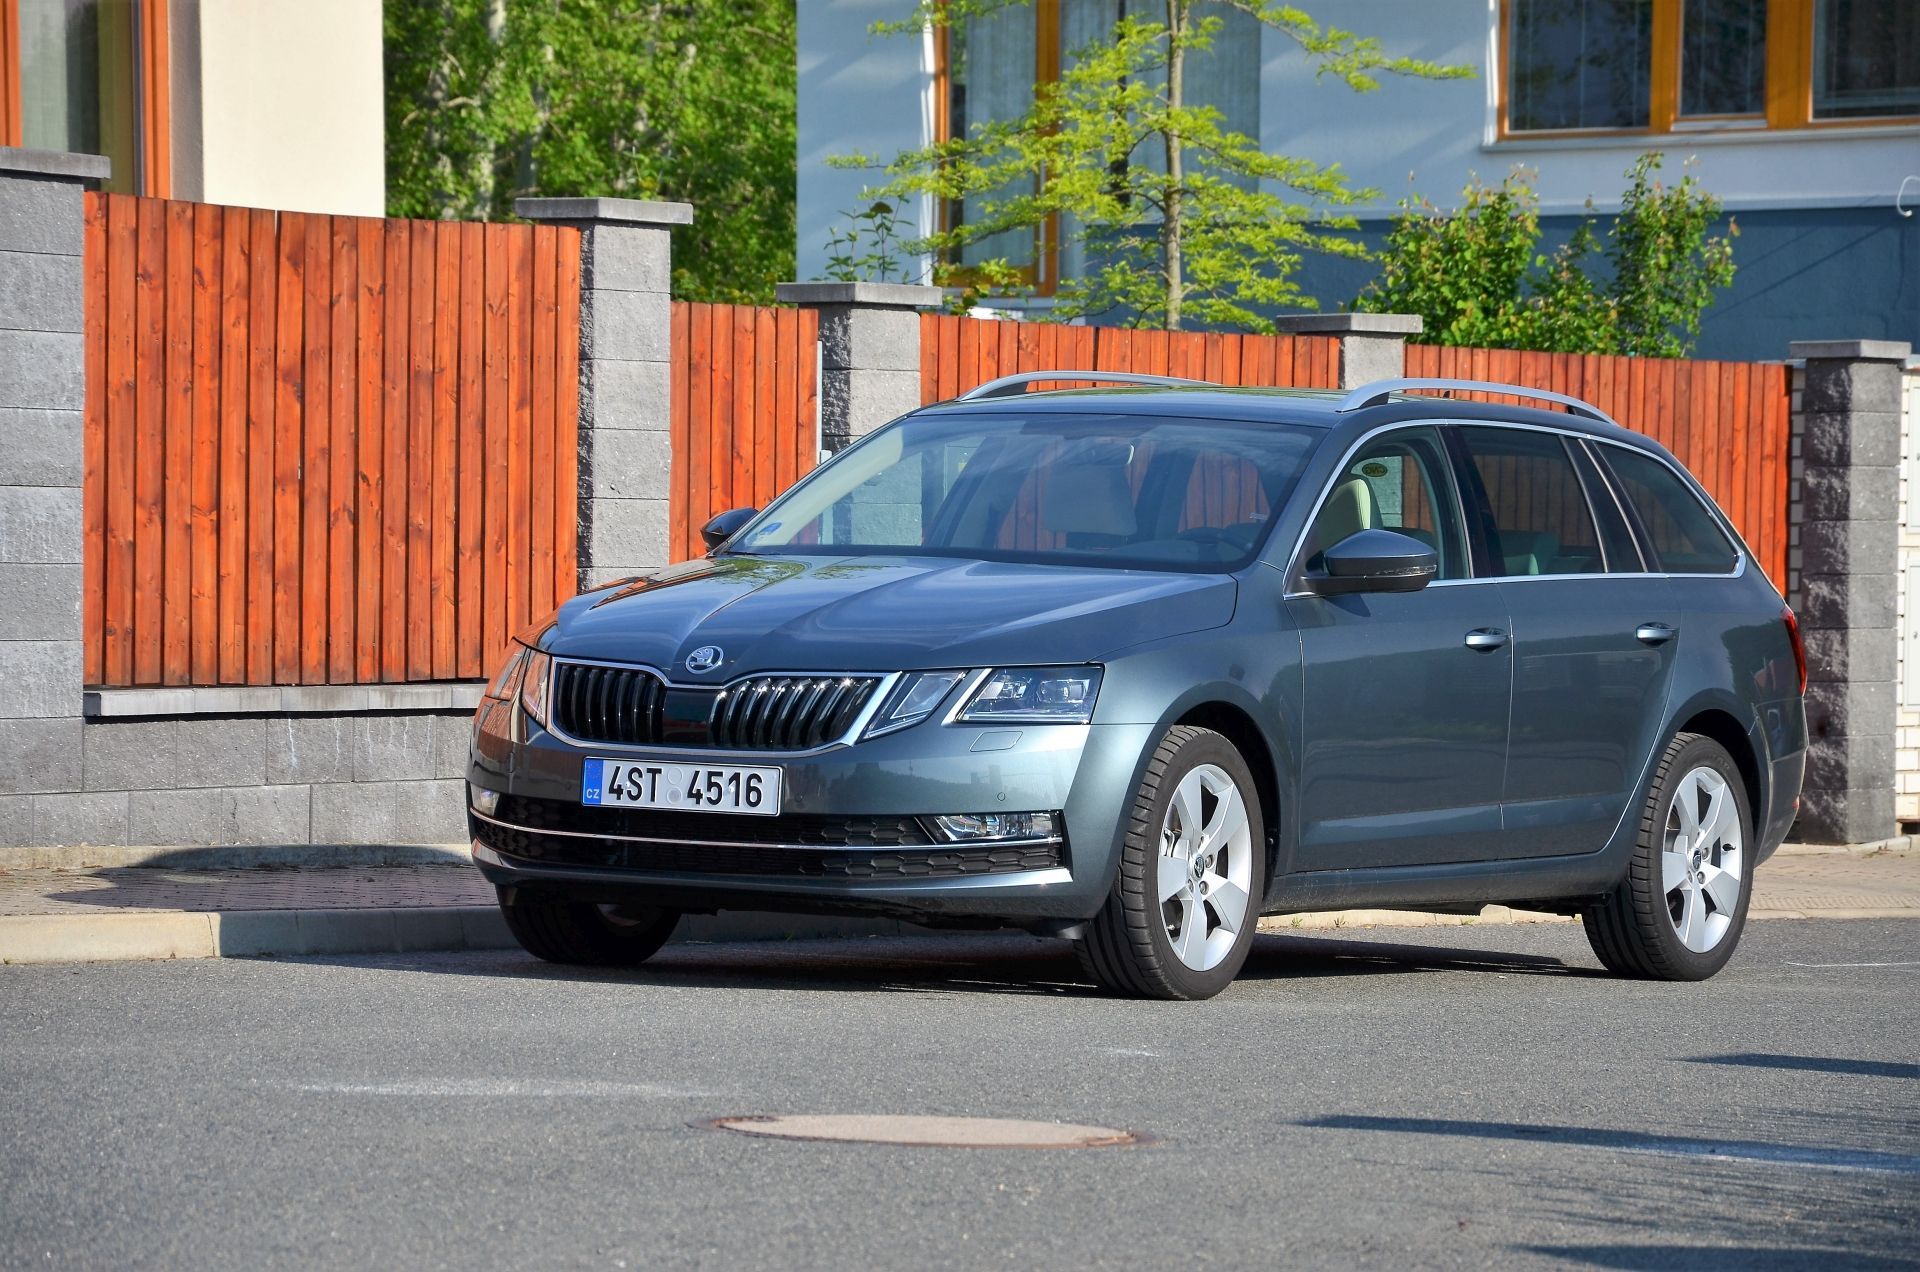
x=1486 y=639
x=1654 y=633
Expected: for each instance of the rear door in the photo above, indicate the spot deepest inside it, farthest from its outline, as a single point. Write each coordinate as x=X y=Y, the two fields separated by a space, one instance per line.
x=1404 y=728
x=1595 y=634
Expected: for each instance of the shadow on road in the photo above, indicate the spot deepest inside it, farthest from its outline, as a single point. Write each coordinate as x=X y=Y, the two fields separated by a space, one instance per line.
x=1011 y=963
x=1766 y=1258
x=1816 y=1064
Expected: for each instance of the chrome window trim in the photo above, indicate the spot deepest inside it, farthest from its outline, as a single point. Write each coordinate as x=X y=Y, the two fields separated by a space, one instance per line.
x=937 y=846
x=888 y=679
x=1293 y=560
x=1607 y=481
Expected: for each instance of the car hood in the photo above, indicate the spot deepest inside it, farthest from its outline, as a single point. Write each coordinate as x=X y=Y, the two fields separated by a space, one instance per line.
x=880 y=614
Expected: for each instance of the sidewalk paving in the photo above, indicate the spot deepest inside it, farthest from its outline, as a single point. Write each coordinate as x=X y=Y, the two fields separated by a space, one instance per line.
x=112 y=913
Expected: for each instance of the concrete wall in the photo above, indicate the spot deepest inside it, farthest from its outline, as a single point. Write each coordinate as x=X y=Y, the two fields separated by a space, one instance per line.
x=280 y=104
x=1907 y=684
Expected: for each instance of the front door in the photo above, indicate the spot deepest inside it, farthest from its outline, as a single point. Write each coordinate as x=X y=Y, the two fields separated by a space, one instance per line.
x=1595 y=635
x=1404 y=726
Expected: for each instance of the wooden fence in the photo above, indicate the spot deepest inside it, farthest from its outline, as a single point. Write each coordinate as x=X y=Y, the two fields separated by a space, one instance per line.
x=745 y=411
x=1728 y=422
x=322 y=449
x=957 y=354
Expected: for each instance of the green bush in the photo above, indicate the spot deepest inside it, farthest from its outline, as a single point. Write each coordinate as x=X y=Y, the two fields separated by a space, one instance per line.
x=1477 y=277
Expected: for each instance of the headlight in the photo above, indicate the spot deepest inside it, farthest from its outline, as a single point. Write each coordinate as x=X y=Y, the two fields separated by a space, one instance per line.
x=1034 y=695
x=533 y=686
x=507 y=683
x=913 y=700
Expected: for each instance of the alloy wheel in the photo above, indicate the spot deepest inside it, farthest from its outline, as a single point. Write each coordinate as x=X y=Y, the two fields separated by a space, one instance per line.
x=1205 y=867
x=1703 y=859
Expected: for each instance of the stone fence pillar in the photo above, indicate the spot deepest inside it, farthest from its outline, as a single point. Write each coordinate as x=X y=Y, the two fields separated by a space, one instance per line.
x=1850 y=448
x=869 y=352
x=626 y=370
x=42 y=400
x=1372 y=346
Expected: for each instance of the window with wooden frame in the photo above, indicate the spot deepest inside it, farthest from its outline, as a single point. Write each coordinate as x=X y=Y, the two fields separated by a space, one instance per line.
x=1660 y=66
x=92 y=77
x=986 y=70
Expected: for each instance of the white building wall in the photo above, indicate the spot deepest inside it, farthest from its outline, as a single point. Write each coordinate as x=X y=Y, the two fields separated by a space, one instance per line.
x=859 y=93
x=280 y=104
x=1907 y=730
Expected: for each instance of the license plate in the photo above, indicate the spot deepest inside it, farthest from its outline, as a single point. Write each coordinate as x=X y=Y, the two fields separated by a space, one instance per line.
x=690 y=788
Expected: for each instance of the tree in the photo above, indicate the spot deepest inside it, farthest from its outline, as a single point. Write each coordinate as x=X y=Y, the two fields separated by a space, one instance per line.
x=1476 y=277
x=1212 y=232
x=491 y=100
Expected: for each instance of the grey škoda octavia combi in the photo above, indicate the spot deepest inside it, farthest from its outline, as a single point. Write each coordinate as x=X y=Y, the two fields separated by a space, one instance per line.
x=1139 y=664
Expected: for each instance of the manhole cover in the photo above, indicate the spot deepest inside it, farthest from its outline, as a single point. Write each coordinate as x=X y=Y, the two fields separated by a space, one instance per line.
x=941 y=1132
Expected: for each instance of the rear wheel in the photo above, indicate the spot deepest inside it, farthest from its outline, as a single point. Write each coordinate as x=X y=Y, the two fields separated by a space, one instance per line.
x=1679 y=912
x=561 y=930
x=1180 y=919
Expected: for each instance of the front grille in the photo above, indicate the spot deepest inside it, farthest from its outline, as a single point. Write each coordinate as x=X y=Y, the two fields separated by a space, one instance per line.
x=621 y=705
x=630 y=706
x=831 y=847
x=788 y=713
x=810 y=829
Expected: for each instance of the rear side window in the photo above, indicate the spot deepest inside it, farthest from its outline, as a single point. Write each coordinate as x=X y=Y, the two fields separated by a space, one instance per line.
x=1535 y=518
x=1682 y=533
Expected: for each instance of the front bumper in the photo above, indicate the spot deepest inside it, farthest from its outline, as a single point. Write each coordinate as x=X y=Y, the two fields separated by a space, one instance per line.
x=823 y=854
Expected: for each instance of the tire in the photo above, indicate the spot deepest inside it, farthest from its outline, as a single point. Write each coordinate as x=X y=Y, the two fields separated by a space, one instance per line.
x=561 y=930
x=1675 y=916
x=1169 y=929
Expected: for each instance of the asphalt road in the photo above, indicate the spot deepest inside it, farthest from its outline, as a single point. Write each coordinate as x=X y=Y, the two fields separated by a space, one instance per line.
x=1411 y=1098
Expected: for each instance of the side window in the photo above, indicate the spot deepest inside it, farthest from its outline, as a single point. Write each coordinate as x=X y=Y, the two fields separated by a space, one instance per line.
x=1616 y=539
x=1680 y=530
x=1398 y=482
x=1536 y=519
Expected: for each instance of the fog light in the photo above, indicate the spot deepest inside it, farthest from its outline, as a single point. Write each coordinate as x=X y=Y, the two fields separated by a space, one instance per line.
x=975 y=827
x=485 y=802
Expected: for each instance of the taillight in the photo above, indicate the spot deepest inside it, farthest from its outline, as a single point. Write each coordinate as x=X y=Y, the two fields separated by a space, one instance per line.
x=1799 y=646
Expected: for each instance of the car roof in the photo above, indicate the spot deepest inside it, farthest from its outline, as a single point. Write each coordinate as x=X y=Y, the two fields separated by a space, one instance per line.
x=1312 y=408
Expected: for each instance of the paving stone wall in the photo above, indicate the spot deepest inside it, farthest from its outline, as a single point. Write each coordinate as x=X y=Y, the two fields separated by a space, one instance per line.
x=1907 y=727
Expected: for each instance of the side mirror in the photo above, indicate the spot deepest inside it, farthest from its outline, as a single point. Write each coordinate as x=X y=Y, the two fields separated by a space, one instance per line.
x=1374 y=561
x=726 y=525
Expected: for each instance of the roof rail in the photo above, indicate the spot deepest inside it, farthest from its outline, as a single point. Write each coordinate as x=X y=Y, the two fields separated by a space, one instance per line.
x=1015 y=385
x=1380 y=390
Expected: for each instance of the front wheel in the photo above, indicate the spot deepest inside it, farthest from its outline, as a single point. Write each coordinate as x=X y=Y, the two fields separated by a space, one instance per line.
x=1679 y=912
x=561 y=930
x=1180 y=919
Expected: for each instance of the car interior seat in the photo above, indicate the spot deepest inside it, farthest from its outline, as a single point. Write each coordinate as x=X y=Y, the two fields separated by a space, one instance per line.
x=1089 y=503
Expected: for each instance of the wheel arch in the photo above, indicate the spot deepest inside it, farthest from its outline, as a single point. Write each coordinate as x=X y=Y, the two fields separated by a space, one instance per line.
x=1715 y=721
x=1238 y=726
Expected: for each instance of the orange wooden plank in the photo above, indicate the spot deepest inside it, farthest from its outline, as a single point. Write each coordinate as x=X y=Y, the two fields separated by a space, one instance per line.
x=519 y=422
x=343 y=450
x=1738 y=429
x=420 y=452
x=766 y=362
x=679 y=426
x=470 y=656
x=396 y=444
x=807 y=411
x=951 y=326
x=745 y=413
x=177 y=482
x=93 y=458
x=150 y=369
x=786 y=390
x=717 y=496
x=287 y=427
x=117 y=659
x=967 y=355
x=235 y=377
x=317 y=470
x=370 y=432
x=929 y=358
x=442 y=528
x=546 y=267
x=566 y=440
x=263 y=325
x=204 y=512
x=499 y=413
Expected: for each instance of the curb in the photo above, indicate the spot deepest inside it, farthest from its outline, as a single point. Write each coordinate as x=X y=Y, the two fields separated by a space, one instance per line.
x=133 y=937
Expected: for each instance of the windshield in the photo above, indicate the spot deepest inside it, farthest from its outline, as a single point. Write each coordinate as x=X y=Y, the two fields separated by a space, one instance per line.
x=1126 y=491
